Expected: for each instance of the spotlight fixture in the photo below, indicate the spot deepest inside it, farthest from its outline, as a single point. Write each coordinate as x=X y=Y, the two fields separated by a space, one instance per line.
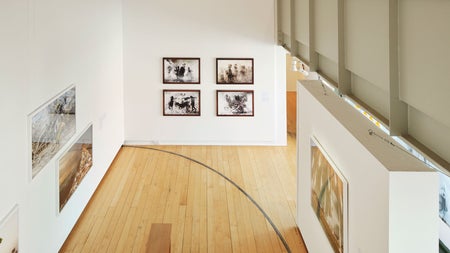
x=294 y=65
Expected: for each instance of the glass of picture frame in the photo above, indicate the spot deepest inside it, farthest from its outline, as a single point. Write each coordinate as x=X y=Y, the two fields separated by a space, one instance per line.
x=181 y=102
x=235 y=103
x=181 y=70
x=329 y=197
x=234 y=71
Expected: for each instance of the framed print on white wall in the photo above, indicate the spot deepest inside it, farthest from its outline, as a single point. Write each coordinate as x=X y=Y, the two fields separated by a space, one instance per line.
x=9 y=232
x=235 y=103
x=181 y=102
x=329 y=197
x=181 y=70
x=51 y=127
x=73 y=166
x=234 y=71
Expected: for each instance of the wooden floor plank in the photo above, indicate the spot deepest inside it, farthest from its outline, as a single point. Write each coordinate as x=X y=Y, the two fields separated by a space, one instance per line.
x=218 y=214
x=206 y=212
x=159 y=238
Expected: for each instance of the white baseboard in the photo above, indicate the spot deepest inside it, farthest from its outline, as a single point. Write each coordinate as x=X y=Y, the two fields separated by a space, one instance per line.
x=204 y=143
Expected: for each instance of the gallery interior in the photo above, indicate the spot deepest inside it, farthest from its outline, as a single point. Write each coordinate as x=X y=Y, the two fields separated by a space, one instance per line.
x=361 y=86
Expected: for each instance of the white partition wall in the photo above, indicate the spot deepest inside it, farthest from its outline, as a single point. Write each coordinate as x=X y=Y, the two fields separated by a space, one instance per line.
x=392 y=197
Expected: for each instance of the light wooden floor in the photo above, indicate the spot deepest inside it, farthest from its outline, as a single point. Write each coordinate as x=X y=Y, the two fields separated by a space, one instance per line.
x=207 y=213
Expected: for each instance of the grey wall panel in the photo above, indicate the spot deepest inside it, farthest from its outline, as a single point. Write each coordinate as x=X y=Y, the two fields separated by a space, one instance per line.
x=285 y=18
x=328 y=67
x=370 y=94
x=429 y=132
x=303 y=51
x=286 y=40
x=424 y=56
x=302 y=21
x=367 y=40
x=325 y=13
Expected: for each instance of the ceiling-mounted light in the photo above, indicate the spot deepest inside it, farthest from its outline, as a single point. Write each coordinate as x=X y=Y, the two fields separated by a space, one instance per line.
x=294 y=65
x=304 y=69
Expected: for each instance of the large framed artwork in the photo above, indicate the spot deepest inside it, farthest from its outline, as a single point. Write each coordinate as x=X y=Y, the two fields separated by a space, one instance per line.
x=181 y=102
x=234 y=70
x=444 y=198
x=73 y=166
x=444 y=210
x=235 y=103
x=52 y=125
x=329 y=197
x=181 y=70
x=9 y=232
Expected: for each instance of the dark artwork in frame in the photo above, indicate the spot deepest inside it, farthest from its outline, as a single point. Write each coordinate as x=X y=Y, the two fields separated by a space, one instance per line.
x=235 y=103
x=181 y=102
x=181 y=70
x=234 y=71
x=444 y=212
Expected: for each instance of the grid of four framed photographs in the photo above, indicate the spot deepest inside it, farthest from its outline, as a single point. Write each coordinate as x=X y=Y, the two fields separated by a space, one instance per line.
x=229 y=71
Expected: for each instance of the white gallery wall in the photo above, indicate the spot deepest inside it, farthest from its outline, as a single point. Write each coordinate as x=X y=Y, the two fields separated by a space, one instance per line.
x=392 y=197
x=48 y=45
x=205 y=29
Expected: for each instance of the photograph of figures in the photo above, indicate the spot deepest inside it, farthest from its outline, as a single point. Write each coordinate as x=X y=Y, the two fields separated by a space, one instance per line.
x=235 y=103
x=329 y=197
x=73 y=165
x=234 y=71
x=444 y=198
x=444 y=206
x=181 y=70
x=9 y=232
x=181 y=102
x=52 y=125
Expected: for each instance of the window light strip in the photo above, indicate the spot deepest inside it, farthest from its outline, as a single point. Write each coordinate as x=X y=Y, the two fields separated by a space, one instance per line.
x=367 y=114
x=384 y=128
x=416 y=153
x=380 y=125
x=328 y=84
x=356 y=106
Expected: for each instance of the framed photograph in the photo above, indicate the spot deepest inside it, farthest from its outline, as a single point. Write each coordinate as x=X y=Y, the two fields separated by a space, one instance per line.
x=329 y=197
x=9 y=232
x=51 y=127
x=235 y=103
x=444 y=209
x=444 y=198
x=234 y=71
x=181 y=102
x=181 y=70
x=73 y=166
